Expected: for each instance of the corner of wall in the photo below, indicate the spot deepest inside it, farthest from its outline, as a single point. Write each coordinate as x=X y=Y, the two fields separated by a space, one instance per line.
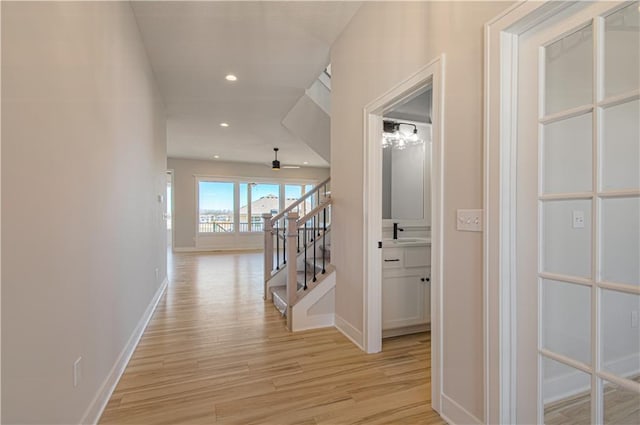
x=350 y=331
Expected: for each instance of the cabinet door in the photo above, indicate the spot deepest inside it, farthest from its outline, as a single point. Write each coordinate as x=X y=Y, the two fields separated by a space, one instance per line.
x=403 y=302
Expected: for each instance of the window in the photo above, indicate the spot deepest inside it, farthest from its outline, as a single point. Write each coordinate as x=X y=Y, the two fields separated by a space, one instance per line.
x=245 y=207
x=310 y=203
x=265 y=198
x=292 y=192
x=231 y=207
x=216 y=207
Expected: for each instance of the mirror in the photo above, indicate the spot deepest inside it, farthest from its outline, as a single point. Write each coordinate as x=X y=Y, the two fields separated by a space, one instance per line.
x=406 y=161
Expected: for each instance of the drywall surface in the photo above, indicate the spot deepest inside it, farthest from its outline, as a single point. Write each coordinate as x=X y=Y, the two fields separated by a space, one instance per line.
x=384 y=44
x=83 y=235
x=308 y=121
x=185 y=172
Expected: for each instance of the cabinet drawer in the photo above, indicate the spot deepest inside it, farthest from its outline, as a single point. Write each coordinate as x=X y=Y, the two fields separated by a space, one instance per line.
x=392 y=258
x=412 y=271
x=417 y=256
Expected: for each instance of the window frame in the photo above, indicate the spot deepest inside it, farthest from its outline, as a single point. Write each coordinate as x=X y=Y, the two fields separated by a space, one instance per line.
x=237 y=181
x=235 y=203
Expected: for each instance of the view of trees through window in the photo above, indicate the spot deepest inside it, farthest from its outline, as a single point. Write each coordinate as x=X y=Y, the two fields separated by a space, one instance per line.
x=219 y=211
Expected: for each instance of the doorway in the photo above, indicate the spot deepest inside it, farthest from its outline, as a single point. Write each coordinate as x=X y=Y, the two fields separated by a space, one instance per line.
x=374 y=113
x=169 y=212
x=406 y=215
x=568 y=169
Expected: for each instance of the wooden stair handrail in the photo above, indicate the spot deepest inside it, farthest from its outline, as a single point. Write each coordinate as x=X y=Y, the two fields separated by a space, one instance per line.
x=324 y=204
x=299 y=201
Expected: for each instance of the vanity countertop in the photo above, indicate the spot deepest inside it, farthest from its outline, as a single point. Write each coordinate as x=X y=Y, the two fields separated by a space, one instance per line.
x=402 y=242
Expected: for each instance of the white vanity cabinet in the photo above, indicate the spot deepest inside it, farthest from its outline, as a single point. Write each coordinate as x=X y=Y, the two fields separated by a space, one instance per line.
x=406 y=276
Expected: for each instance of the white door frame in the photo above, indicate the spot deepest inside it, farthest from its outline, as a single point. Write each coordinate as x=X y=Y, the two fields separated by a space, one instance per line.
x=500 y=141
x=372 y=188
x=172 y=173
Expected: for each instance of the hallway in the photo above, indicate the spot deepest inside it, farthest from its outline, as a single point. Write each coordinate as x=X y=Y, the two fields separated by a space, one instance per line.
x=214 y=351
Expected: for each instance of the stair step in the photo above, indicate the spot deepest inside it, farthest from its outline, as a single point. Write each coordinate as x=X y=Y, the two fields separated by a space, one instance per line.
x=280 y=299
x=318 y=265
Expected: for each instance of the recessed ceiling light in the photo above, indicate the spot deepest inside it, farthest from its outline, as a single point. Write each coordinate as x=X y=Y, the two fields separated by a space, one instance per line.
x=231 y=77
x=224 y=124
x=216 y=156
x=306 y=162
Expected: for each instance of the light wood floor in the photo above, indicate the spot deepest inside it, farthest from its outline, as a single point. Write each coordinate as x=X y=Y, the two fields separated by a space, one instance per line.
x=621 y=407
x=215 y=352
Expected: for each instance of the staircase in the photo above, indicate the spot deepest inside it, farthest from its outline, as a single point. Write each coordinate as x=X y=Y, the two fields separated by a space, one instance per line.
x=298 y=275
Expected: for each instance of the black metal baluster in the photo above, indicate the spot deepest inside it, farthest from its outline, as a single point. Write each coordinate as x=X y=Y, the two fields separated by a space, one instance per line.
x=314 y=252
x=284 y=242
x=324 y=234
x=313 y=226
x=318 y=215
x=277 y=246
x=305 y=255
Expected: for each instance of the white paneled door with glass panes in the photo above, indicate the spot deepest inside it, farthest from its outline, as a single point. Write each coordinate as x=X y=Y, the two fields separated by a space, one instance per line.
x=578 y=217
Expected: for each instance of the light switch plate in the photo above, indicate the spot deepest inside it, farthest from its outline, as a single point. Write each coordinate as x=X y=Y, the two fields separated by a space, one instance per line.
x=469 y=220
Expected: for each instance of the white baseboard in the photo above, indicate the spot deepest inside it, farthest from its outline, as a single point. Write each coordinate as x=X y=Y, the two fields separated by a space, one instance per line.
x=315 y=322
x=348 y=330
x=453 y=413
x=99 y=402
x=194 y=249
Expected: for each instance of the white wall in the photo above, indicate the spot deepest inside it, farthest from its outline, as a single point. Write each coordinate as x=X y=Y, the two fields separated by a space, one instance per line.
x=310 y=122
x=184 y=196
x=366 y=61
x=83 y=161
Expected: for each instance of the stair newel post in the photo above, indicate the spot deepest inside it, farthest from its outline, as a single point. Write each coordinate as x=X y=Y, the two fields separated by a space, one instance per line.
x=292 y=269
x=268 y=251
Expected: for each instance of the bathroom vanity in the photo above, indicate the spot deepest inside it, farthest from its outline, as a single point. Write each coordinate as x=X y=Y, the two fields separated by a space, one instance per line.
x=406 y=225
x=406 y=281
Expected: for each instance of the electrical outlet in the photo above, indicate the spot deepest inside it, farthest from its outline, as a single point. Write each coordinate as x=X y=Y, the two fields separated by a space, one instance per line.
x=77 y=372
x=634 y=319
x=469 y=220
x=578 y=219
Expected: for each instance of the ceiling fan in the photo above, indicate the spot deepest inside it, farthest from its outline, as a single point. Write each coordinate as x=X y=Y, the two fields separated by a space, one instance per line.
x=275 y=164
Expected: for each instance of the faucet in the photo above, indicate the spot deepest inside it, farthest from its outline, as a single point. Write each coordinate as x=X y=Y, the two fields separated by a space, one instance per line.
x=395 y=230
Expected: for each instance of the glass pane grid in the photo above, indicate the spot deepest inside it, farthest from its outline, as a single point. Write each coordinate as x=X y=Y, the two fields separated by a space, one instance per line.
x=566 y=319
x=566 y=155
x=568 y=71
x=622 y=50
x=619 y=150
x=567 y=159
x=619 y=241
x=608 y=93
x=565 y=238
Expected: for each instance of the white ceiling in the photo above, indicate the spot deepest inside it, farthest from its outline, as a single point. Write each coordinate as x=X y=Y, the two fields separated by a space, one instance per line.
x=276 y=49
